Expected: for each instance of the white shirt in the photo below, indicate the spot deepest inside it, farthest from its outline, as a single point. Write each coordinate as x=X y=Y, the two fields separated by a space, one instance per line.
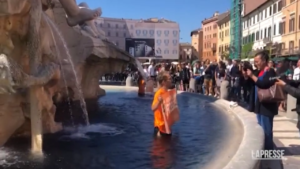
x=151 y=70
x=146 y=72
x=296 y=75
x=229 y=67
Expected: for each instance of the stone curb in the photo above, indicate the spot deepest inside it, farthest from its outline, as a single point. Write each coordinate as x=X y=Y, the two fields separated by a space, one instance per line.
x=252 y=140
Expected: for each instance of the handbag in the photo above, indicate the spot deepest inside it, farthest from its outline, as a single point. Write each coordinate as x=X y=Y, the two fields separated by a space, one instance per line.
x=273 y=94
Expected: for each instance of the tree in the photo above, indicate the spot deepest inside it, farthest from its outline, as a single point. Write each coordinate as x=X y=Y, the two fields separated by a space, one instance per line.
x=246 y=50
x=225 y=55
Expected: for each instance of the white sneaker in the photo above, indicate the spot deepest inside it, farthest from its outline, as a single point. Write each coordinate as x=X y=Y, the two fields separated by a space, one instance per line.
x=232 y=104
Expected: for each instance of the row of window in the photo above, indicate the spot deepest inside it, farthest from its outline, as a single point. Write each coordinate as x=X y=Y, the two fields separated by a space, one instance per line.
x=117 y=34
x=271 y=10
x=209 y=36
x=226 y=24
x=291 y=45
x=208 y=28
x=224 y=34
x=109 y=25
x=277 y=29
x=208 y=54
x=223 y=48
x=208 y=45
x=263 y=33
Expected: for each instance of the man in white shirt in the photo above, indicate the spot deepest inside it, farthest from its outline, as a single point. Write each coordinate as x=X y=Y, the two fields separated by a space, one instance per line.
x=152 y=71
x=146 y=71
x=296 y=75
x=229 y=65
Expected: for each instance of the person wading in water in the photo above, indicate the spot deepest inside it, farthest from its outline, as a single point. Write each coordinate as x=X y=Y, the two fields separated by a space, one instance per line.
x=141 y=84
x=165 y=82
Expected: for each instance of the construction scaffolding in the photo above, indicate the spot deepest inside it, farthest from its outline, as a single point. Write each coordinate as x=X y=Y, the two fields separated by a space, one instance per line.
x=235 y=29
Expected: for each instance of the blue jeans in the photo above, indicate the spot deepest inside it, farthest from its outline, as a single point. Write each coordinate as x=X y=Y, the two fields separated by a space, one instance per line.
x=266 y=122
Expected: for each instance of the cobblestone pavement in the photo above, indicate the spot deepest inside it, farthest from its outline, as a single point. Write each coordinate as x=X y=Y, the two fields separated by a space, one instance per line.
x=286 y=137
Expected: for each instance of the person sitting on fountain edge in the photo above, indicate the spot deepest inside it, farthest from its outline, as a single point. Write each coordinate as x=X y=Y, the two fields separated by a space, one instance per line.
x=165 y=81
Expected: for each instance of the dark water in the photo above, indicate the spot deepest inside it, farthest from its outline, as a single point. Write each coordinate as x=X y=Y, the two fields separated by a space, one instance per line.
x=122 y=138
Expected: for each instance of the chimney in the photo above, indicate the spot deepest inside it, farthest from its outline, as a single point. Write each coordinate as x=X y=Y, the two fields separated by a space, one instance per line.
x=216 y=13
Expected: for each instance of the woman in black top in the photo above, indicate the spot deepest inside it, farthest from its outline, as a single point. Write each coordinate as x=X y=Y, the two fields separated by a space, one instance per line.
x=246 y=82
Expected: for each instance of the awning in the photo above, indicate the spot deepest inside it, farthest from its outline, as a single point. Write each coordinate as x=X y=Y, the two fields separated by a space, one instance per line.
x=294 y=58
x=291 y=58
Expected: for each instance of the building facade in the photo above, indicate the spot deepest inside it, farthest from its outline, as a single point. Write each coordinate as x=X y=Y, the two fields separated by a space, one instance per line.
x=224 y=35
x=185 y=52
x=150 y=38
x=290 y=27
x=197 y=42
x=210 y=37
x=261 y=27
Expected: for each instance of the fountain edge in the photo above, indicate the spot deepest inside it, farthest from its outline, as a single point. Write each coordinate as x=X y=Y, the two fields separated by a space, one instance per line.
x=253 y=136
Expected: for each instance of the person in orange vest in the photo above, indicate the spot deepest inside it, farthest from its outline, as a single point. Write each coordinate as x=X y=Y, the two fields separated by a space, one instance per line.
x=141 y=84
x=165 y=81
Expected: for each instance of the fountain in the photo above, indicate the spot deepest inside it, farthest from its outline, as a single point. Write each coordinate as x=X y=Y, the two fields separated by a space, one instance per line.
x=50 y=70
x=40 y=74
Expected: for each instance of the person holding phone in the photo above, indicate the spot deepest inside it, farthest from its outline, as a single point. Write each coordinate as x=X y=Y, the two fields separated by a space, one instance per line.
x=265 y=111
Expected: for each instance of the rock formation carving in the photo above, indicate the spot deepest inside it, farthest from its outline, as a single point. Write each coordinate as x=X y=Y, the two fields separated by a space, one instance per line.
x=34 y=53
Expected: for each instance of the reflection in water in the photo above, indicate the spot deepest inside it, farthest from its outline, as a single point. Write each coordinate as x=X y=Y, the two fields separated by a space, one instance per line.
x=121 y=137
x=162 y=154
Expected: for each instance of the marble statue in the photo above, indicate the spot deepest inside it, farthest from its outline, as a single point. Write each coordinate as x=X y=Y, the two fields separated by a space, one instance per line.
x=35 y=82
x=89 y=25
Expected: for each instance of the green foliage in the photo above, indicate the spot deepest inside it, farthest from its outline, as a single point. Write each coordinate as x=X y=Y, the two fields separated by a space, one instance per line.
x=269 y=48
x=225 y=55
x=247 y=50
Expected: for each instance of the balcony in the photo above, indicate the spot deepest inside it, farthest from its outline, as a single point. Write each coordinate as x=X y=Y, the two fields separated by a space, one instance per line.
x=267 y=40
x=289 y=51
x=284 y=52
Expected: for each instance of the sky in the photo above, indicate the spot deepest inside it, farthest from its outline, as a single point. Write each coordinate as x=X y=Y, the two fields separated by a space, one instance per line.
x=188 y=13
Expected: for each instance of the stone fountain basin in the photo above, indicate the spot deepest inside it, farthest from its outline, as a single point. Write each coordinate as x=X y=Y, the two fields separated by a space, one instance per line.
x=246 y=135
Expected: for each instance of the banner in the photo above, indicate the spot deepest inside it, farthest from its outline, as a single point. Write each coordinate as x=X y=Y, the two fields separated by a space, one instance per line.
x=170 y=109
x=140 y=47
x=150 y=86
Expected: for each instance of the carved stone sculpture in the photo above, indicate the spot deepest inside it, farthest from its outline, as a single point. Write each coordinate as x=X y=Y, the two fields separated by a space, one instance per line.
x=47 y=74
x=89 y=25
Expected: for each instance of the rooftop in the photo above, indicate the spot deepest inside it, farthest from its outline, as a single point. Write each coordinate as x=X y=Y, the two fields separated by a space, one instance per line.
x=185 y=44
x=224 y=17
x=149 y=20
x=196 y=31
x=252 y=5
x=215 y=17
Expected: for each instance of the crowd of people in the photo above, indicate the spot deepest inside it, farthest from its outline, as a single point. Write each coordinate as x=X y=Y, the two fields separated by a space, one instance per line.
x=238 y=81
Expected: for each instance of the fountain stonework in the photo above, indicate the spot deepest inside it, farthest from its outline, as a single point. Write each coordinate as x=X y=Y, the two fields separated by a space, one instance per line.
x=68 y=56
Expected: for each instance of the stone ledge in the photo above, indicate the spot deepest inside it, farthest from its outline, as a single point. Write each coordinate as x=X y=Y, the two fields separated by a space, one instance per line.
x=253 y=138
